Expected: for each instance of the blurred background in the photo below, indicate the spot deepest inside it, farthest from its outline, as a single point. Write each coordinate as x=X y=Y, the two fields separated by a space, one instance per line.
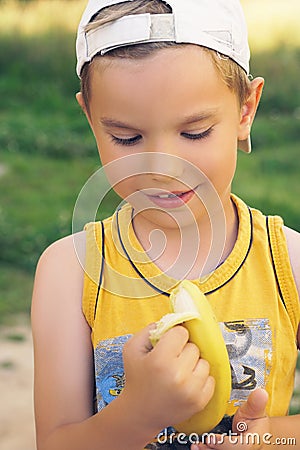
x=47 y=152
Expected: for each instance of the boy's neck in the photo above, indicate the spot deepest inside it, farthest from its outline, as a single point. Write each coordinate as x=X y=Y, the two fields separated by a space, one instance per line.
x=184 y=253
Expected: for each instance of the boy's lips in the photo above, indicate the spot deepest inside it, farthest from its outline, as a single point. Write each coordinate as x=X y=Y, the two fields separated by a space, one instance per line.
x=171 y=199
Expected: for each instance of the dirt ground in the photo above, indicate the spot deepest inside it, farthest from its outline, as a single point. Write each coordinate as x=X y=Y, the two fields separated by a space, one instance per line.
x=16 y=380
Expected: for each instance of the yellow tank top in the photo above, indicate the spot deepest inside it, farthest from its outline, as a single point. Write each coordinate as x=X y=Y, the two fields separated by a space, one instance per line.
x=253 y=295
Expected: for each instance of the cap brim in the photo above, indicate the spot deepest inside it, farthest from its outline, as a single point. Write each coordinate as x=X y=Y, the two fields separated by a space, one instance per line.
x=245 y=145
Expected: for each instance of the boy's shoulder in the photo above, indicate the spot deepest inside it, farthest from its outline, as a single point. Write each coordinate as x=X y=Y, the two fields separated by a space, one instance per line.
x=66 y=247
x=64 y=258
x=57 y=290
x=293 y=244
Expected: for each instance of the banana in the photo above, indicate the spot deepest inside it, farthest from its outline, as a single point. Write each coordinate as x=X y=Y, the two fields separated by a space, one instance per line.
x=193 y=311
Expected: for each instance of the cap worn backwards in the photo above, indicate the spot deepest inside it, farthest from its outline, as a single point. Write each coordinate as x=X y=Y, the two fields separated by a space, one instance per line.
x=216 y=24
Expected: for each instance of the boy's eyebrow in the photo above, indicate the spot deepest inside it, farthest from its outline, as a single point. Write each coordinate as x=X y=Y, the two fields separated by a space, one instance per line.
x=108 y=122
x=197 y=117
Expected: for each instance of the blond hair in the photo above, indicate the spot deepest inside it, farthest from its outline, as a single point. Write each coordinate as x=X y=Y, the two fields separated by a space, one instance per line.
x=231 y=73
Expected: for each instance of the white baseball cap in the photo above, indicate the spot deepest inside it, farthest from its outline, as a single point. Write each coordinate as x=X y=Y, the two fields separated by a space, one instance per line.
x=216 y=24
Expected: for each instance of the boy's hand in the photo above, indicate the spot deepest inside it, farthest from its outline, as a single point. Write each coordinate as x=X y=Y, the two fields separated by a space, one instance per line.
x=165 y=384
x=251 y=419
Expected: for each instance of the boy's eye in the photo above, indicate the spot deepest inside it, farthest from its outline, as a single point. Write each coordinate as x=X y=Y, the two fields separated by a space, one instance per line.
x=126 y=141
x=197 y=136
x=135 y=139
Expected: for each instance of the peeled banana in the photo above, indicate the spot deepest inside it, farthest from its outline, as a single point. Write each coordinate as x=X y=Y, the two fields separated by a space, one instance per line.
x=193 y=311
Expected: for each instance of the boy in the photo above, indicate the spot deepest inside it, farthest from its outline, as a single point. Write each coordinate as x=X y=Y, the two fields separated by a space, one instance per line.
x=165 y=88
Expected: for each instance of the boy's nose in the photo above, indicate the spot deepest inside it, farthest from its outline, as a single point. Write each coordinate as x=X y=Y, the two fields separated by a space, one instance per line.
x=164 y=165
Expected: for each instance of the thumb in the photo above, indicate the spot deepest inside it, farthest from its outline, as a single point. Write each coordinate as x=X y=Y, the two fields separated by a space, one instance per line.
x=139 y=343
x=254 y=408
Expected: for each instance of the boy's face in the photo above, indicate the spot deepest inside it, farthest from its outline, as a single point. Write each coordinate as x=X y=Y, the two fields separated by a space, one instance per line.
x=173 y=111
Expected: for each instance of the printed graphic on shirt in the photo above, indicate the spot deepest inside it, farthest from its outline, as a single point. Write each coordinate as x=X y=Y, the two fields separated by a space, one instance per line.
x=248 y=342
x=109 y=369
x=249 y=346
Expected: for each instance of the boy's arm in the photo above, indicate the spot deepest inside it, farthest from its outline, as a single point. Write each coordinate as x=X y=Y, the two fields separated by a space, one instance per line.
x=63 y=356
x=293 y=243
x=61 y=336
x=64 y=375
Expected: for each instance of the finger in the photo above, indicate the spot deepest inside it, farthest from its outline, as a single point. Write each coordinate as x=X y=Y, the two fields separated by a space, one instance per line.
x=205 y=386
x=173 y=341
x=140 y=342
x=253 y=408
x=202 y=368
x=207 y=391
x=189 y=357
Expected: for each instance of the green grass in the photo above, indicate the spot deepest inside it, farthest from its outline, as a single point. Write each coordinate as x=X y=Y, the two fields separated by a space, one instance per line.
x=268 y=180
x=15 y=292
x=39 y=113
x=280 y=69
x=38 y=195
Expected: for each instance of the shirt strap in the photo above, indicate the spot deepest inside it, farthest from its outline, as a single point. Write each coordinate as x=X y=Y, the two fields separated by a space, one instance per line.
x=94 y=265
x=282 y=269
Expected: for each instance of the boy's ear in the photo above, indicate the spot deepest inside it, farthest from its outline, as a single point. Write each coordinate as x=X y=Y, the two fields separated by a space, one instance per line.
x=79 y=98
x=249 y=108
x=81 y=102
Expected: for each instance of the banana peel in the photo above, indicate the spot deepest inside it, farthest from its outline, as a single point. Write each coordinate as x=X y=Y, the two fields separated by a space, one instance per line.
x=192 y=310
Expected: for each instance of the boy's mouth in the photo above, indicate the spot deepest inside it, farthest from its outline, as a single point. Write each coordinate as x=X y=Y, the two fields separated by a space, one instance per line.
x=173 y=199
